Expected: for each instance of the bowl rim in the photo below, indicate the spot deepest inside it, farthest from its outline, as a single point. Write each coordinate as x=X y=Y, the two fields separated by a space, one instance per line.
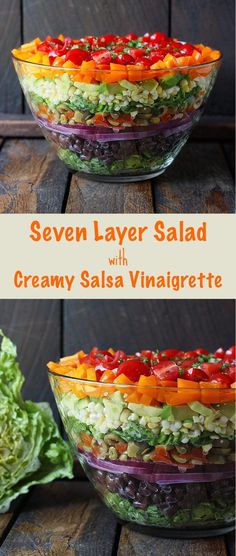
x=126 y=385
x=174 y=68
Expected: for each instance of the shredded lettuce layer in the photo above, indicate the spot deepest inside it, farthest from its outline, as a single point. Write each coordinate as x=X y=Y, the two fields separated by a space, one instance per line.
x=202 y=514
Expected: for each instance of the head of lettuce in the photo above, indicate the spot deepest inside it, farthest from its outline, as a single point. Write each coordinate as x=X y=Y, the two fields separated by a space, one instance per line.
x=31 y=448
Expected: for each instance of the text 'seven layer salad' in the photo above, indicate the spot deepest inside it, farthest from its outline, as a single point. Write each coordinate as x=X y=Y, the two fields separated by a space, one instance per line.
x=155 y=418
x=116 y=105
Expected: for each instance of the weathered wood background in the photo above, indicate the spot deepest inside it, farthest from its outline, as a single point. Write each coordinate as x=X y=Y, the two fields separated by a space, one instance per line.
x=45 y=330
x=208 y=21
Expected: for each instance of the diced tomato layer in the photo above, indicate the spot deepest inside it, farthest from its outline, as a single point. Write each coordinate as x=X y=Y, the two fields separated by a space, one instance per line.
x=156 y=51
x=151 y=377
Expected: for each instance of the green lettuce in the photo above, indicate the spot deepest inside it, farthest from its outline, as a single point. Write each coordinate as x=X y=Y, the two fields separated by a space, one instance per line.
x=202 y=514
x=133 y=162
x=31 y=448
x=138 y=433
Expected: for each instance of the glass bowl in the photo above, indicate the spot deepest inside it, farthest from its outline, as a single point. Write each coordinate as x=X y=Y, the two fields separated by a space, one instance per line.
x=160 y=457
x=119 y=125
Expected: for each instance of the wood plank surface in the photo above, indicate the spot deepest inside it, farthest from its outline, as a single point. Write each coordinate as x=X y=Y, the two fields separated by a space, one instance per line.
x=32 y=179
x=10 y=37
x=211 y=23
x=7 y=519
x=19 y=125
x=198 y=181
x=62 y=519
x=34 y=325
x=89 y=196
x=139 y=544
x=229 y=150
x=88 y=17
x=132 y=325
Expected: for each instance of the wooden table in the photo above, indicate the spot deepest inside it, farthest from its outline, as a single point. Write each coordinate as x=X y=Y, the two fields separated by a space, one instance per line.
x=67 y=518
x=32 y=179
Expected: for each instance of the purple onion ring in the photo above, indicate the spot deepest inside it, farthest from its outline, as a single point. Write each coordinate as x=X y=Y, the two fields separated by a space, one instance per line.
x=161 y=473
x=99 y=133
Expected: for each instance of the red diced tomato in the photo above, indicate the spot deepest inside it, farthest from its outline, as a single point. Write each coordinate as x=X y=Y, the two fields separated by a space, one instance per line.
x=166 y=370
x=197 y=375
x=222 y=377
x=133 y=369
x=211 y=368
x=77 y=56
x=168 y=353
x=102 y=56
x=124 y=59
x=131 y=37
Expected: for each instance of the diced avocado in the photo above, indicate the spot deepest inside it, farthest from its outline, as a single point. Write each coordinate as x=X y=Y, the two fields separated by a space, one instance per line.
x=144 y=410
x=200 y=408
x=103 y=88
x=209 y=422
x=82 y=403
x=150 y=84
x=171 y=80
x=95 y=400
x=127 y=84
x=114 y=88
x=117 y=397
x=112 y=409
x=166 y=412
x=227 y=409
x=89 y=87
x=72 y=405
x=182 y=412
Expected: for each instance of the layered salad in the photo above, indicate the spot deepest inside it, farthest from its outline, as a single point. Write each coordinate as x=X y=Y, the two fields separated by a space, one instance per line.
x=154 y=431
x=116 y=105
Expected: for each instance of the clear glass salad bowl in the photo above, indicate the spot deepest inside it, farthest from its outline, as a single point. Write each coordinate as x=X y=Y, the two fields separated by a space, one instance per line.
x=160 y=456
x=127 y=124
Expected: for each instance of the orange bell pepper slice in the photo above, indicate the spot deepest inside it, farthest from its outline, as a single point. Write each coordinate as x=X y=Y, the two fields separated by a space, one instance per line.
x=146 y=385
x=168 y=383
x=187 y=391
x=121 y=447
x=100 y=391
x=162 y=455
x=135 y=72
x=107 y=376
x=120 y=71
x=86 y=439
x=170 y=61
x=134 y=397
x=87 y=71
x=91 y=374
x=210 y=392
x=123 y=380
x=106 y=76
x=182 y=383
x=146 y=399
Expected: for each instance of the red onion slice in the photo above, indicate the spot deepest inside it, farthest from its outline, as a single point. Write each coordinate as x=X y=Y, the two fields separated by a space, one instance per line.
x=99 y=133
x=161 y=473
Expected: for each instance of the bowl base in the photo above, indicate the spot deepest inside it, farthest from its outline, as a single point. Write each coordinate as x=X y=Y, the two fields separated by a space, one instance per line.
x=177 y=533
x=120 y=179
